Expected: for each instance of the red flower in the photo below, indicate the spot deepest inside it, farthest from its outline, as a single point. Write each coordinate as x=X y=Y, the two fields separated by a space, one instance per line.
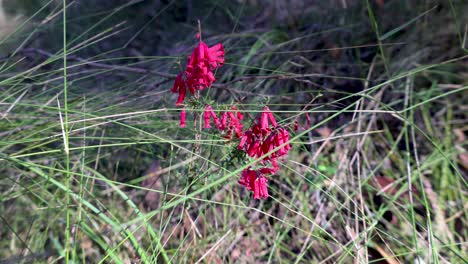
x=271 y=117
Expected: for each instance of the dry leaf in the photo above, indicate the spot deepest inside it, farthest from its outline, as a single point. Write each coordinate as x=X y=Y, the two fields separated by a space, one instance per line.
x=461 y=138
x=464 y=160
x=324 y=132
x=386 y=185
x=387 y=257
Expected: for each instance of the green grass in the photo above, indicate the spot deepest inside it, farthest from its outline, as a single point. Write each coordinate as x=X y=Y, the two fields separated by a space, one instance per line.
x=96 y=170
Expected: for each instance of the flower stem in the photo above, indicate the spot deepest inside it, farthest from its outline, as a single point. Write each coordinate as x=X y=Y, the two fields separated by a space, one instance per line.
x=199 y=30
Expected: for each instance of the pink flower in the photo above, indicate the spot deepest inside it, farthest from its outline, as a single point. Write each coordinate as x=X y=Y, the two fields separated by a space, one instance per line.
x=255 y=182
x=260 y=188
x=215 y=118
x=239 y=115
x=244 y=139
x=269 y=170
x=264 y=126
x=229 y=124
x=254 y=149
x=235 y=124
x=248 y=178
x=207 y=116
x=179 y=87
x=177 y=84
x=223 y=123
x=282 y=138
x=197 y=59
x=216 y=55
x=198 y=73
x=274 y=162
x=265 y=138
x=262 y=138
x=183 y=115
x=265 y=119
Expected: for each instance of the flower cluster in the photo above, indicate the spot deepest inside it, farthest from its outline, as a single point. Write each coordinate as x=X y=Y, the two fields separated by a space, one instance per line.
x=261 y=139
x=229 y=123
x=268 y=141
x=255 y=182
x=265 y=140
x=198 y=73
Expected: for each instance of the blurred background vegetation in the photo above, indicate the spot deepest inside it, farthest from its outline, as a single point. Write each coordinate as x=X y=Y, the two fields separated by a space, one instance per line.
x=380 y=177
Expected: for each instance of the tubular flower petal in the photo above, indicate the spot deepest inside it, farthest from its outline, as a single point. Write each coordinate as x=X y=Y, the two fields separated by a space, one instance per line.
x=181 y=97
x=177 y=84
x=269 y=170
x=183 y=115
x=242 y=142
x=272 y=118
x=215 y=118
x=179 y=87
x=274 y=162
x=216 y=55
x=261 y=188
x=207 y=115
x=264 y=120
x=248 y=178
x=254 y=148
x=239 y=115
x=223 y=124
x=255 y=182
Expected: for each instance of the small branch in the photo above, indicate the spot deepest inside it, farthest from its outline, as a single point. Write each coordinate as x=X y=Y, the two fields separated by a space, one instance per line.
x=199 y=30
